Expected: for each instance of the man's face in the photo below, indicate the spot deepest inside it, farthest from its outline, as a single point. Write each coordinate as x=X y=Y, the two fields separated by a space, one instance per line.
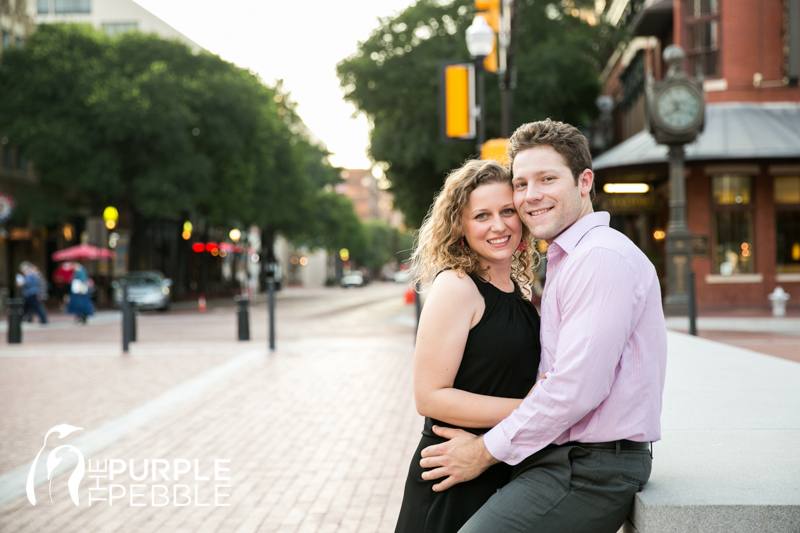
x=545 y=193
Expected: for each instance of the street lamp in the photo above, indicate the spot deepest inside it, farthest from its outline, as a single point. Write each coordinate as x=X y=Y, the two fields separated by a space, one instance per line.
x=480 y=42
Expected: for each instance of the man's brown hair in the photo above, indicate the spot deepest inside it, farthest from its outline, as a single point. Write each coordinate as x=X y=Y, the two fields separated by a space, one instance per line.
x=564 y=138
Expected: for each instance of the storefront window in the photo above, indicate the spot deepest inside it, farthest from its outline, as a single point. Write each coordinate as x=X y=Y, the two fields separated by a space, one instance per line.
x=733 y=225
x=787 y=223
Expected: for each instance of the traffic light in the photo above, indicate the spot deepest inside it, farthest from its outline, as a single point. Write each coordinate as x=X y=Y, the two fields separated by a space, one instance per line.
x=490 y=11
x=457 y=100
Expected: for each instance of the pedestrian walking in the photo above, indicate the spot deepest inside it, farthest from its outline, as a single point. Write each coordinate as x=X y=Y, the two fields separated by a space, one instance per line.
x=30 y=284
x=62 y=280
x=79 y=303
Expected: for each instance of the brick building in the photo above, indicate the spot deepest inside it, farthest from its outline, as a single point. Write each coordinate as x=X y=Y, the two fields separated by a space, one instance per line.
x=743 y=172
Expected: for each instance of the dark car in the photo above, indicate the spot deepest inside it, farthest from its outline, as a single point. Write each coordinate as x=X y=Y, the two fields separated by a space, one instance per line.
x=147 y=289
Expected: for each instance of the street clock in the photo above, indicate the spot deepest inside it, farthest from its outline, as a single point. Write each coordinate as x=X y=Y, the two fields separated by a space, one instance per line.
x=675 y=105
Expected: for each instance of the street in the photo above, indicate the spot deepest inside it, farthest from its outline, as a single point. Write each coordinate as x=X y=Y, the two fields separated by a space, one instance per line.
x=315 y=436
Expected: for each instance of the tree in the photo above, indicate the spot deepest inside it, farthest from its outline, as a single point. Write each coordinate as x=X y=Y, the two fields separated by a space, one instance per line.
x=385 y=244
x=393 y=79
x=143 y=123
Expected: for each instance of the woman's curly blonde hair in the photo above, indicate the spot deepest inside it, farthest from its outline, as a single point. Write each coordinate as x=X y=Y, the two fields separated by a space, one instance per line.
x=438 y=241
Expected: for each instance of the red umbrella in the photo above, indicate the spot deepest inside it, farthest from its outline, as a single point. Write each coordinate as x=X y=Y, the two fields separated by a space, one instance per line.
x=82 y=252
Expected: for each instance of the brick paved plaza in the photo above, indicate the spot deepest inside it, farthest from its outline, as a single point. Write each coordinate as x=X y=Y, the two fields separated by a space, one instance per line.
x=195 y=431
x=316 y=435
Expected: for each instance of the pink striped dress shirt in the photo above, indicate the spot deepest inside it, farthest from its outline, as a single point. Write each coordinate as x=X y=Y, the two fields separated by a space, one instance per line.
x=604 y=347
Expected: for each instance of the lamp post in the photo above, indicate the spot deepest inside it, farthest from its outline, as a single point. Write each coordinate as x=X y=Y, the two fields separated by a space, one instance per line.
x=111 y=216
x=676 y=108
x=480 y=41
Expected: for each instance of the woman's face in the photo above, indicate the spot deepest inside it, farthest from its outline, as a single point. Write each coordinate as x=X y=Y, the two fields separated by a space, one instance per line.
x=490 y=222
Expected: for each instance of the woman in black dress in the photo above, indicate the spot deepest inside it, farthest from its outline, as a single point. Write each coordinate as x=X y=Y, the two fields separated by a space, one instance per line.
x=477 y=350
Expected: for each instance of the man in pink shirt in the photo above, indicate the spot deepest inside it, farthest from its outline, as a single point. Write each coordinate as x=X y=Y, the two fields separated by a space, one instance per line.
x=581 y=440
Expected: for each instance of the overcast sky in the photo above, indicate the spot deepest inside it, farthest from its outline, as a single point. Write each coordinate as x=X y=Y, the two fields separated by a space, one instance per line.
x=300 y=41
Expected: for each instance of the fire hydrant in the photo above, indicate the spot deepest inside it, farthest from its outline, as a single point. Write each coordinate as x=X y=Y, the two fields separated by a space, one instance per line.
x=778 y=298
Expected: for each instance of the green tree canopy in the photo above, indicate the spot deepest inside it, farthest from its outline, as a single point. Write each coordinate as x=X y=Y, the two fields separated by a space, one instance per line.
x=393 y=79
x=385 y=244
x=144 y=123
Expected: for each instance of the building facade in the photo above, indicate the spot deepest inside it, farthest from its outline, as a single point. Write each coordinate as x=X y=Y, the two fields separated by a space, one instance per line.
x=742 y=173
x=111 y=16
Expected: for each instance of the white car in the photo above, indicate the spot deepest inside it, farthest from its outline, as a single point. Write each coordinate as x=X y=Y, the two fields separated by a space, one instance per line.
x=353 y=279
x=146 y=289
x=401 y=276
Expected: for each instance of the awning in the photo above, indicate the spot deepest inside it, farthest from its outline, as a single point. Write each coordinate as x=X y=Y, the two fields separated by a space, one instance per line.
x=733 y=131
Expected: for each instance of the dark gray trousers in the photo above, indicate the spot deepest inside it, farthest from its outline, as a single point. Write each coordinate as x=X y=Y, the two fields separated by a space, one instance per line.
x=566 y=489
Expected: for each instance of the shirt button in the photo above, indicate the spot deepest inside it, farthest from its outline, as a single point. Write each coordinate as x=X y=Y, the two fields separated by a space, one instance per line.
x=513 y=456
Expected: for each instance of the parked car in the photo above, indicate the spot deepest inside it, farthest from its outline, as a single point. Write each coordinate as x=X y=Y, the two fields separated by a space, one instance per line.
x=147 y=289
x=353 y=279
x=401 y=276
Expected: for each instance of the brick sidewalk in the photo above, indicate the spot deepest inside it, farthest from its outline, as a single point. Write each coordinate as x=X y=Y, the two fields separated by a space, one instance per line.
x=318 y=433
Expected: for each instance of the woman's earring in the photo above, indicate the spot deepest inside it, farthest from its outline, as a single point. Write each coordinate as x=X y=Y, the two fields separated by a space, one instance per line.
x=462 y=242
x=522 y=246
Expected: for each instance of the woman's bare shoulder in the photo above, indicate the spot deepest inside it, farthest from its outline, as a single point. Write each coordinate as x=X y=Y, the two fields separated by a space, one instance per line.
x=454 y=284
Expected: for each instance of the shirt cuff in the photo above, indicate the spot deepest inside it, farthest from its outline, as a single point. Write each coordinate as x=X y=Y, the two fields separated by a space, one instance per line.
x=499 y=446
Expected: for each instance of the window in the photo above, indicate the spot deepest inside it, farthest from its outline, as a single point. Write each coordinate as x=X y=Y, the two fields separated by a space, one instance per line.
x=43 y=7
x=6 y=39
x=73 y=6
x=702 y=37
x=787 y=224
x=120 y=27
x=733 y=224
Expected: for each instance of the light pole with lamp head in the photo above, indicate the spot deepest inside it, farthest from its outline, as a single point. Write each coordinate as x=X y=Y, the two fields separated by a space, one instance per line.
x=480 y=42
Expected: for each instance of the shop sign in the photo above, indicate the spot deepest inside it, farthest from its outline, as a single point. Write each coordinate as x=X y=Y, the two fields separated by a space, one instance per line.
x=627 y=203
x=699 y=245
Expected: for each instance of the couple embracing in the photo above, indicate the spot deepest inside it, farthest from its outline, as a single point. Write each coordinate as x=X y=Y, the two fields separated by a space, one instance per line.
x=532 y=425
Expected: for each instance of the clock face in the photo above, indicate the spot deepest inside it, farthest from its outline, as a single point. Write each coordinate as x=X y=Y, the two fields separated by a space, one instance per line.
x=678 y=107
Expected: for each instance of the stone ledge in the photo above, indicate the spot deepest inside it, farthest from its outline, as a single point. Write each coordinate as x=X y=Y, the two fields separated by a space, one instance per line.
x=728 y=459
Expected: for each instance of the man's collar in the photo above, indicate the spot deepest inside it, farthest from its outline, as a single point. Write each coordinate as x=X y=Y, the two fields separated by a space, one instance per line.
x=571 y=236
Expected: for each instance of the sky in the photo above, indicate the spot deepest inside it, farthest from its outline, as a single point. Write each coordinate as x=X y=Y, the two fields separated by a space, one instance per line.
x=299 y=41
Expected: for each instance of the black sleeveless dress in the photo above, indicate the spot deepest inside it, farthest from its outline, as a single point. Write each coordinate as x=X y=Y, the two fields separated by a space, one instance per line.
x=501 y=358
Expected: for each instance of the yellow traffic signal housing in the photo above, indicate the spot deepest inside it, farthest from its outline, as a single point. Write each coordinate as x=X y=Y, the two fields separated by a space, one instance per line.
x=490 y=11
x=495 y=149
x=457 y=101
x=490 y=61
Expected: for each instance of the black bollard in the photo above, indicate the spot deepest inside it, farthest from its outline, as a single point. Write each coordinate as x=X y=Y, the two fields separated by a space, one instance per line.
x=418 y=304
x=271 y=305
x=132 y=318
x=244 y=320
x=125 y=305
x=15 y=320
x=692 y=306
